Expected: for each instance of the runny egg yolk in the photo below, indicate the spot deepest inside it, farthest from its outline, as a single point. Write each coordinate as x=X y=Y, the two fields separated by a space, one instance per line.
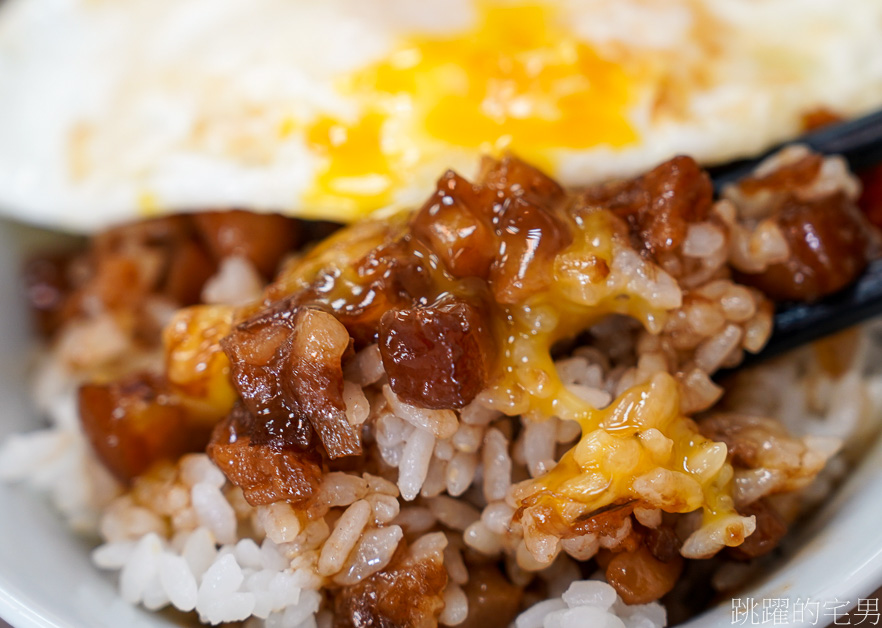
x=358 y=174
x=516 y=81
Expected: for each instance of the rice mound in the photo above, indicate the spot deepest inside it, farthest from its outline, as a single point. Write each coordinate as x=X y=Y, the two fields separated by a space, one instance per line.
x=184 y=536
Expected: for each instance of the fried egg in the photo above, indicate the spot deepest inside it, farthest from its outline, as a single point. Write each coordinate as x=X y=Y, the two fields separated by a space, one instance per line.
x=119 y=109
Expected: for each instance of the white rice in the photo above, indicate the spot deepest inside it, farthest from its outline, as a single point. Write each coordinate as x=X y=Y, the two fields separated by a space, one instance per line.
x=373 y=553
x=591 y=603
x=344 y=537
x=236 y=282
x=414 y=466
x=496 y=466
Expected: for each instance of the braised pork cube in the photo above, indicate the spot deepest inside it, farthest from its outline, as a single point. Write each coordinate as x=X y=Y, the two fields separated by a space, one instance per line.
x=493 y=600
x=262 y=239
x=437 y=356
x=134 y=423
x=639 y=577
x=770 y=529
x=286 y=364
x=531 y=234
x=660 y=205
x=456 y=222
x=264 y=472
x=828 y=241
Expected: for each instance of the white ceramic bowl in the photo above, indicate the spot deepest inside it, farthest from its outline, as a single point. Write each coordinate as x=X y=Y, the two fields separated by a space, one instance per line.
x=46 y=579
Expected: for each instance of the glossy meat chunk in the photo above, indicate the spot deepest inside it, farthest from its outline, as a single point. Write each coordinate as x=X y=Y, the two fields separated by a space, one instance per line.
x=828 y=240
x=314 y=380
x=286 y=364
x=258 y=349
x=787 y=177
x=134 y=423
x=47 y=287
x=437 y=356
x=662 y=543
x=639 y=577
x=530 y=237
x=266 y=473
x=456 y=222
x=530 y=227
x=390 y=276
x=660 y=205
x=511 y=176
x=169 y=259
x=153 y=256
x=770 y=529
x=189 y=267
x=506 y=229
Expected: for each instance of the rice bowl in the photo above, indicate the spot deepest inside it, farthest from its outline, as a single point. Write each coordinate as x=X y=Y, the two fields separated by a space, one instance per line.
x=508 y=390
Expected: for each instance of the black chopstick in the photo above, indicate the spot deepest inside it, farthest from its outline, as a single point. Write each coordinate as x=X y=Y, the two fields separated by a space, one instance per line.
x=796 y=324
x=859 y=141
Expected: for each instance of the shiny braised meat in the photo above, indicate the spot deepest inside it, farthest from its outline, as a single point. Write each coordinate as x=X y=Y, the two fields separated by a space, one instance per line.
x=660 y=205
x=47 y=287
x=828 y=240
x=263 y=239
x=436 y=356
x=497 y=229
x=639 y=577
x=287 y=366
x=493 y=600
x=770 y=529
x=457 y=223
x=787 y=177
x=506 y=230
x=134 y=423
x=530 y=228
x=264 y=472
x=393 y=275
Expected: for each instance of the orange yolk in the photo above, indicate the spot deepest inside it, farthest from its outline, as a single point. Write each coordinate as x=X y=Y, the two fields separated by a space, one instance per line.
x=358 y=171
x=518 y=80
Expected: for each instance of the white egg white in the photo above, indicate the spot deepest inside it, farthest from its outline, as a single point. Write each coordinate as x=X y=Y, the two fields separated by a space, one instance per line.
x=115 y=109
